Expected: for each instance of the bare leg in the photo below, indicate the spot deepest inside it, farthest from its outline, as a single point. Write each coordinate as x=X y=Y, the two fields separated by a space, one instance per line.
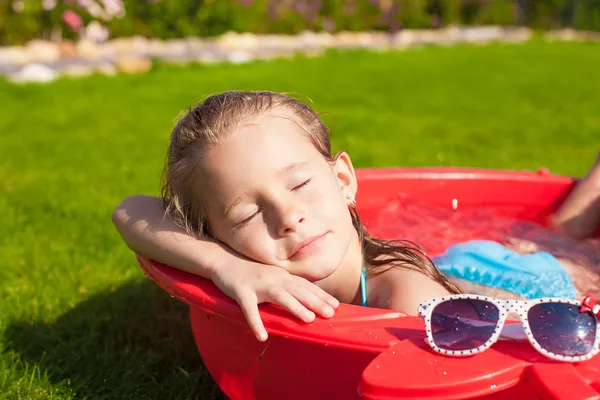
x=579 y=216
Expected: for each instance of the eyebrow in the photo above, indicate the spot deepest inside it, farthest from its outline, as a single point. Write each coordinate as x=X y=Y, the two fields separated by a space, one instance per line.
x=291 y=167
x=286 y=169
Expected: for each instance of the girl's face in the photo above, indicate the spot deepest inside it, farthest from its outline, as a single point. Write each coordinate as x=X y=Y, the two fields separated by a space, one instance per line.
x=272 y=197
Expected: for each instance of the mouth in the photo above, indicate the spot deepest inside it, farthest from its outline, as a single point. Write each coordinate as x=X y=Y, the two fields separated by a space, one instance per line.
x=306 y=246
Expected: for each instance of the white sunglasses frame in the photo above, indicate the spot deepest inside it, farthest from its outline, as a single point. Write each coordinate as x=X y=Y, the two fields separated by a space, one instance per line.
x=519 y=307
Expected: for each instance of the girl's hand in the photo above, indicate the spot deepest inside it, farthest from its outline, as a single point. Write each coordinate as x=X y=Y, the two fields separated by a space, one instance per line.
x=142 y=224
x=250 y=283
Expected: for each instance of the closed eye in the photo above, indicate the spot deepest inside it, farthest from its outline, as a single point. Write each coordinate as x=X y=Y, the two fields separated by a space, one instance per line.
x=300 y=186
x=250 y=218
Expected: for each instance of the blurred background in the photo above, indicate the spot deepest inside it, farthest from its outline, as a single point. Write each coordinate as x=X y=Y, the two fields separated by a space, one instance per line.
x=22 y=20
x=90 y=90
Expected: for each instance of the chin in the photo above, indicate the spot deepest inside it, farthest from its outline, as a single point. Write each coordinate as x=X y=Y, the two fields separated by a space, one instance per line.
x=316 y=269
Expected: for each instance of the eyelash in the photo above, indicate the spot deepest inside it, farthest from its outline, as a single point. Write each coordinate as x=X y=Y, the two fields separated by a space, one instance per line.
x=245 y=221
x=302 y=184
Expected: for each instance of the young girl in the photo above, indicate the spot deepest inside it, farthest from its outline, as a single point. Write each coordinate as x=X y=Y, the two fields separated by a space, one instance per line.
x=258 y=204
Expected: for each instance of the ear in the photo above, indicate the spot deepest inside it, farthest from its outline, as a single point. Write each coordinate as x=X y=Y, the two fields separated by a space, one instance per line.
x=345 y=175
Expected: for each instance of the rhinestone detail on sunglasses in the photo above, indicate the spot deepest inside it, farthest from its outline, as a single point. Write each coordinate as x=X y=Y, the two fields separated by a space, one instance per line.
x=502 y=308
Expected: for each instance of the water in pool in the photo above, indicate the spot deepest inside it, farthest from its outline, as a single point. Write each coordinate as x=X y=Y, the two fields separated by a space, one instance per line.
x=436 y=228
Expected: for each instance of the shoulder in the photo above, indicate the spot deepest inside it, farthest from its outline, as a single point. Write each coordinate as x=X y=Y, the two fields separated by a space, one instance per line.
x=403 y=289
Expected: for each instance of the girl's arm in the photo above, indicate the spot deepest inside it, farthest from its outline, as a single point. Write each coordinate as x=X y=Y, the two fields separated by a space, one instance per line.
x=579 y=215
x=146 y=230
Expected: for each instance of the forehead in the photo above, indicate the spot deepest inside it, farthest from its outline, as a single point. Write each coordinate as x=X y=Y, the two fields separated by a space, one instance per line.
x=253 y=154
x=277 y=136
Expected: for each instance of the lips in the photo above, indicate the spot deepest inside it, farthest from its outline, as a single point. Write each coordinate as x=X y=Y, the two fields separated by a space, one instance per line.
x=306 y=246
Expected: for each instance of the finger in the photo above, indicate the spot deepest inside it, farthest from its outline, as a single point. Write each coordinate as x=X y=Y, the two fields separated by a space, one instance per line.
x=313 y=301
x=305 y=295
x=328 y=300
x=284 y=299
x=323 y=295
x=249 y=307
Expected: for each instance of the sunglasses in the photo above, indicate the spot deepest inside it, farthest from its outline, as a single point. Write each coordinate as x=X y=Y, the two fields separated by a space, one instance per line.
x=463 y=324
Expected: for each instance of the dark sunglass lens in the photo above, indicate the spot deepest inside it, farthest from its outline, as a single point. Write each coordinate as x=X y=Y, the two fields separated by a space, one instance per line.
x=562 y=329
x=463 y=324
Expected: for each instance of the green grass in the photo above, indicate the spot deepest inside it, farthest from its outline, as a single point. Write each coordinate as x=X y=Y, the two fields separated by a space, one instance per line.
x=78 y=319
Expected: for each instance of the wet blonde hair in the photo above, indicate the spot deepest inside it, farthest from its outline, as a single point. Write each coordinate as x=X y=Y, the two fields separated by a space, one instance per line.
x=211 y=121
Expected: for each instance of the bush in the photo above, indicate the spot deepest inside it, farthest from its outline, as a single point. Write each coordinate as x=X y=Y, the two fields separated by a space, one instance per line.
x=22 y=20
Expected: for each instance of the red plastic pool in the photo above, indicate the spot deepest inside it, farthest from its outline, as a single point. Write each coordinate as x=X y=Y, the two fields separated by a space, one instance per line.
x=378 y=354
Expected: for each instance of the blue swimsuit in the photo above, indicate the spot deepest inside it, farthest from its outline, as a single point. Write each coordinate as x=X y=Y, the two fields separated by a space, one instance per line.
x=363 y=286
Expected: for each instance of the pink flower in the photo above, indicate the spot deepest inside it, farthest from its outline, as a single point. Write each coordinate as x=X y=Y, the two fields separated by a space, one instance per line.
x=72 y=19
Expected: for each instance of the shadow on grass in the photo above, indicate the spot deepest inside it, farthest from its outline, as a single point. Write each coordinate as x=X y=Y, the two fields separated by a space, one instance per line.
x=131 y=343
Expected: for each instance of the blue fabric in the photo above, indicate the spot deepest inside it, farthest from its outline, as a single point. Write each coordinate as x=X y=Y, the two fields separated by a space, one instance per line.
x=491 y=264
x=363 y=287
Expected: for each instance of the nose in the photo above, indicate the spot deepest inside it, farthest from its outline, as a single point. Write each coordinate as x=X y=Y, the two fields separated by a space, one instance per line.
x=289 y=220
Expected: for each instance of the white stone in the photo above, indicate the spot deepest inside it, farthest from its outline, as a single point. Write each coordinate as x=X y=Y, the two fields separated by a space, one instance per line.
x=157 y=47
x=325 y=39
x=135 y=45
x=195 y=44
x=346 y=40
x=239 y=57
x=77 y=70
x=308 y=39
x=207 y=57
x=247 y=41
x=517 y=35
x=13 y=55
x=106 y=68
x=42 y=51
x=404 y=38
x=134 y=64
x=228 y=40
x=34 y=73
x=88 y=49
x=176 y=47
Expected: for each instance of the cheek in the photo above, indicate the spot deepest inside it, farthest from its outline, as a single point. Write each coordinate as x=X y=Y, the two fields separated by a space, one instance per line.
x=331 y=211
x=252 y=241
x=329 y=201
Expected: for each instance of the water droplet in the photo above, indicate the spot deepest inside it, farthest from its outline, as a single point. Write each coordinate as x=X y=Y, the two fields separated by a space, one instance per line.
x=455 y=204
x=492 y=386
